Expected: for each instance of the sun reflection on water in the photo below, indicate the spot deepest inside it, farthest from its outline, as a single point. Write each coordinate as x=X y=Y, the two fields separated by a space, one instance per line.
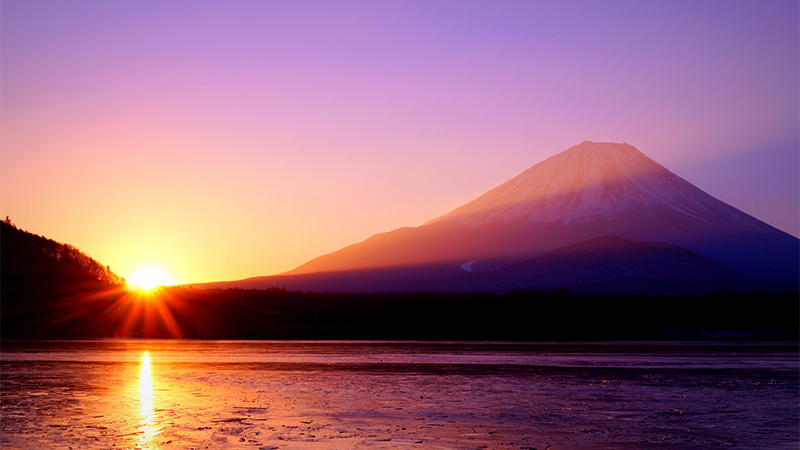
x=147 y=425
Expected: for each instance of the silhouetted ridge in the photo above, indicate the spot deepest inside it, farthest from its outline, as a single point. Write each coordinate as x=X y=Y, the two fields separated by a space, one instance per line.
x=50 y=288
x=610 y=265
x=42 y=264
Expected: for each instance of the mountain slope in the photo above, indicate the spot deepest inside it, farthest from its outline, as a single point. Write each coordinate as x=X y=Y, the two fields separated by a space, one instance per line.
x=607 y=265
x=588 y=191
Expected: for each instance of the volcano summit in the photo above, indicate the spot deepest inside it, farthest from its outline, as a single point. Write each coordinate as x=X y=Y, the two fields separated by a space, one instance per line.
x=589 y=191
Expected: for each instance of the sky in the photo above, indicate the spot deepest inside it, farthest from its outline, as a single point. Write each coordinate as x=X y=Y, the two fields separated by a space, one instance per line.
x=220 y=140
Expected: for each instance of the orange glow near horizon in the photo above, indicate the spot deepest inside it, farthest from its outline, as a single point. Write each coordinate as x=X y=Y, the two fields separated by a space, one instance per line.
x=133 y=313
x=150 y=277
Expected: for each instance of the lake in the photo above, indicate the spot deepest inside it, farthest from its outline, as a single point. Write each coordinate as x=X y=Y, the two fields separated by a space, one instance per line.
x=164 y=394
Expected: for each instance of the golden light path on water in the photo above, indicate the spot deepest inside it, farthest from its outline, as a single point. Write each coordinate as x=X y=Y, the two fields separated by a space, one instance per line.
x=147 y=425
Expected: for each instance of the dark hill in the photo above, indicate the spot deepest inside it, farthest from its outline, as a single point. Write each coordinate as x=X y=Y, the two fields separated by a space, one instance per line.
x=43 y=264
x=37 y=273
x=611 y=265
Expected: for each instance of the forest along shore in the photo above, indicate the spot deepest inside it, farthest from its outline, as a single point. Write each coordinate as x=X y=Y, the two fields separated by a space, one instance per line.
x=171 y=312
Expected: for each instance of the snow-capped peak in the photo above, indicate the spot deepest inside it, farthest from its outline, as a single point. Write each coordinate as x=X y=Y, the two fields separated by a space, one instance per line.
x=585 y=182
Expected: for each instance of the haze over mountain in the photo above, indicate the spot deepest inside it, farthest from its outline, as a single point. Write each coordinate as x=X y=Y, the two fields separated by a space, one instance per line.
x=588 y=191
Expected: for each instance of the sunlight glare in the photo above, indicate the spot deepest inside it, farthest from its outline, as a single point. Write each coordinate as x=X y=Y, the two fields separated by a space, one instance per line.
x=150 y=277
x=146 y=387
x=148 y=424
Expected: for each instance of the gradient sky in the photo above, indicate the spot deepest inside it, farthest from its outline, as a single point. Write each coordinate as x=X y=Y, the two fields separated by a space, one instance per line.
x=228 y=139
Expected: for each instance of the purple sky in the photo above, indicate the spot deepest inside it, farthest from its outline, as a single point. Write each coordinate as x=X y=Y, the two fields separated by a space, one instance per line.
x=221 y=140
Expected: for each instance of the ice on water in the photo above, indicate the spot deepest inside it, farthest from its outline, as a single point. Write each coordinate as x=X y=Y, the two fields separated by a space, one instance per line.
x=347 y=395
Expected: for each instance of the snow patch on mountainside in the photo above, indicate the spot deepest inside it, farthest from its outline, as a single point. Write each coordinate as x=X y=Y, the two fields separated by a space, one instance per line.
x=468 y=266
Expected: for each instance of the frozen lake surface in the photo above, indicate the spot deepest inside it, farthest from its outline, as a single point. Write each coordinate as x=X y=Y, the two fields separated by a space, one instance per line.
x=389 y=395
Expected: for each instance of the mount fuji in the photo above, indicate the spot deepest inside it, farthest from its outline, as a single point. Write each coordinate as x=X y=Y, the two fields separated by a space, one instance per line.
x=589 y=191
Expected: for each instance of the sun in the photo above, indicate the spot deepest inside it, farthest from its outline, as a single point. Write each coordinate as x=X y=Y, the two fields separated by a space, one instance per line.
x=150 y=277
